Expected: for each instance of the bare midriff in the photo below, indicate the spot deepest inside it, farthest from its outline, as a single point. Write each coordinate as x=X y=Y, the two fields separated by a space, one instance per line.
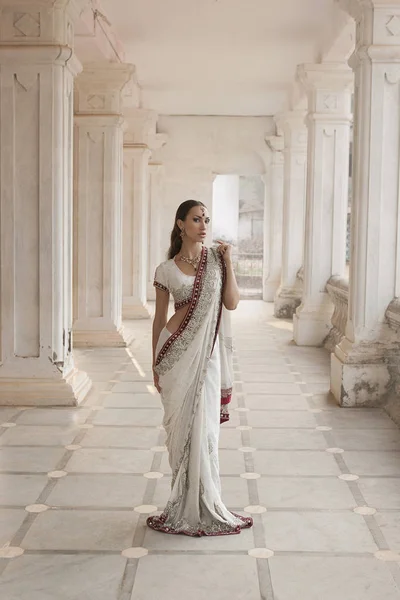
x=176 y=320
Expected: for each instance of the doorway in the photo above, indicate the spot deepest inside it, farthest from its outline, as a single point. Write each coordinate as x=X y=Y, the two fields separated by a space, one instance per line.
x=238 y=218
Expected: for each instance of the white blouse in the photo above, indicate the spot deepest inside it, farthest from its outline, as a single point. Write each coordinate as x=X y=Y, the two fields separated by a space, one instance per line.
x=169 y=277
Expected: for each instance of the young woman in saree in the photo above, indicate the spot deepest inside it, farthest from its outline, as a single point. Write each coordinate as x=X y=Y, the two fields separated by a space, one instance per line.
x=192 y=367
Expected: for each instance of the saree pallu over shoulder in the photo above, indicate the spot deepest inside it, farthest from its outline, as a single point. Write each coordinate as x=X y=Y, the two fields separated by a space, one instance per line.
x=193 y=365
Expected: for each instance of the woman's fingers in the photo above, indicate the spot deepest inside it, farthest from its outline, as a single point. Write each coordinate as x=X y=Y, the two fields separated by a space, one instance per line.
x=222 y=246
x=224 y=249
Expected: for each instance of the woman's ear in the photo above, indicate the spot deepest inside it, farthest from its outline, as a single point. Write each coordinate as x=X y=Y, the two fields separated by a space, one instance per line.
x=180 y=224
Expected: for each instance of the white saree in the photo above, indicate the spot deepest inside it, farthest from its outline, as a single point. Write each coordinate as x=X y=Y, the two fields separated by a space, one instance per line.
x=195 y=375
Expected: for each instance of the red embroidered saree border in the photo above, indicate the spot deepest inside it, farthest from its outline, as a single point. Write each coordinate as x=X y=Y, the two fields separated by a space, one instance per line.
x=181 y=304
x=223 y=268
x=158 y=524
x=160 y=286
x=192 y=306
x=226 y=396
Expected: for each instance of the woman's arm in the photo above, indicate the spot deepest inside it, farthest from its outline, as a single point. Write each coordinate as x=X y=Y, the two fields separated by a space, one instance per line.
x=160 y=321
x=231 y=295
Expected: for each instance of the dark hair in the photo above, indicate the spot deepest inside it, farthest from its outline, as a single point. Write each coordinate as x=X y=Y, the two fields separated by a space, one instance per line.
x=181 y=214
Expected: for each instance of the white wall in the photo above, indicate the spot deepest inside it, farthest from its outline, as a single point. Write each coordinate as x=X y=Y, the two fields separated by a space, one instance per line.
x=198 y=148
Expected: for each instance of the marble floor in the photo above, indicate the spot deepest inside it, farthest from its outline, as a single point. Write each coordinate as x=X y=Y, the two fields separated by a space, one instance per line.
x=322 y=483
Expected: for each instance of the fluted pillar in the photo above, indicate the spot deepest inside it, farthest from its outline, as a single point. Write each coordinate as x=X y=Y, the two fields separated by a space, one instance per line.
x=361 y=363
x=140 y=139
x=156 y=252
x=37 y=69
x=135 y=231
x=329 y=89
x=288 y=296
x=98 y=205
x=273 y=219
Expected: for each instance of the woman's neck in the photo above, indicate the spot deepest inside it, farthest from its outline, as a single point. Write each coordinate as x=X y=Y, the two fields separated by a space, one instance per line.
x=190 y=249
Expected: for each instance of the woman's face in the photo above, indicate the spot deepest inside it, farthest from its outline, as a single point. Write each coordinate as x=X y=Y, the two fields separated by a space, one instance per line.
x=196 y=224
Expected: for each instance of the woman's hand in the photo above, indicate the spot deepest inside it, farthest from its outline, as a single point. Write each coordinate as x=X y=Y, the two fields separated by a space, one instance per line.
x=231 y=294
x=225 y=250
x=156 y=381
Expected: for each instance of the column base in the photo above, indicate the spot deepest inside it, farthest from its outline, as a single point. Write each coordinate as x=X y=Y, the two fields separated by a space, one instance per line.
x=89 y=338
x=65 y=391
x=286 y=302
x=311 y=328
x=359 y=376
x=135 y=310
x=270 y=290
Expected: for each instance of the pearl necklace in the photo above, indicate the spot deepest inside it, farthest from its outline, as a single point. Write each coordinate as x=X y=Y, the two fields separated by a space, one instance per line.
x=191 y=261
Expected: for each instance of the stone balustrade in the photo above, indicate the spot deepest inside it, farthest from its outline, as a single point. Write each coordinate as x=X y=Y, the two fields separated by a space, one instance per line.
x=393 y=362
x=393 y=315
x=338 y=290
x=300 y=274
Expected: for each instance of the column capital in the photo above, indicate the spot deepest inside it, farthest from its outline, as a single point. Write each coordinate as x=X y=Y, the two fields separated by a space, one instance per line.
x=157 y=141
x=294 y=129
x=355 y=8
x=157 y=168
x=141 y=128
x=276 y=144
x=378 y=23
x=328 y=88
x=335 y=76
x=140 y=150
x=131 y=94
x=98 y=88
x=36 y=22
x=29 y=56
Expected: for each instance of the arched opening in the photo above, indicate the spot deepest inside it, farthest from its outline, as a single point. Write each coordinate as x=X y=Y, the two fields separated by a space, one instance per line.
x=238 y=218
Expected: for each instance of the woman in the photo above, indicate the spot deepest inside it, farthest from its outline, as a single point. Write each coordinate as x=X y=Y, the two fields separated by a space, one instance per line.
x=191 y=363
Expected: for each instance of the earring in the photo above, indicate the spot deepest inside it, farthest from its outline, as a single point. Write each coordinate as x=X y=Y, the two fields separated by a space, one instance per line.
x=182 y=233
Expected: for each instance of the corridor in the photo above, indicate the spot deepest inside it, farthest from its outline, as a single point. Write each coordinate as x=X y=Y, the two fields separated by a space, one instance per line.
x=322 y=483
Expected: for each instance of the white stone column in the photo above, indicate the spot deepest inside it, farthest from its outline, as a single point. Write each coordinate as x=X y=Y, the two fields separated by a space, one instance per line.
x=288 y=296
x=140 y=139
x=328 y=88
x=98 y=205
x=135 y=231
x=360 y=374
x=37 y=68
x=273 y=219
x=156 y=253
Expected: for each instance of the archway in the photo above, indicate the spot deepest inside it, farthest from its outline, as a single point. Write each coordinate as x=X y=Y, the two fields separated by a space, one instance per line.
x=238 y=217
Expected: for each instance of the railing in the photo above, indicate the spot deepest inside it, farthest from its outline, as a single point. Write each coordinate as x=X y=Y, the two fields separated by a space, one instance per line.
x=300 y=275
x=392 y=360
x=338 y=290
x=249 y=273
x=393 y=314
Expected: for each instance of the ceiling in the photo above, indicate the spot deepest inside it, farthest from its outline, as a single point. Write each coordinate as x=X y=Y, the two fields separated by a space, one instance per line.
x=220 y=57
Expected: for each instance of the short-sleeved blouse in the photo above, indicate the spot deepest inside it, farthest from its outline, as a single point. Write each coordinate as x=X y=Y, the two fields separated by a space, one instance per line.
x=169 y=277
